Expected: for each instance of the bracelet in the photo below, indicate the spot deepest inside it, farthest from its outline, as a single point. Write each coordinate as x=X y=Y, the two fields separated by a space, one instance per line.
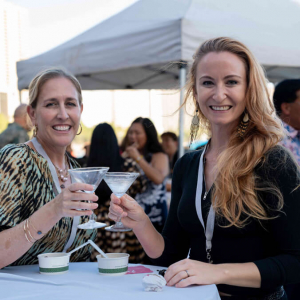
x=37 y=231
x=28 y=230
x=139 y=158
x=26 y=234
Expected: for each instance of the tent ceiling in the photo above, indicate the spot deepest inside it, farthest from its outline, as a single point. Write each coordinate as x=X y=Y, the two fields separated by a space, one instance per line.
x=129 y=49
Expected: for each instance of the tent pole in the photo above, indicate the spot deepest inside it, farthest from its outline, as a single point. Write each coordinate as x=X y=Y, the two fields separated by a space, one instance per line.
x=182 y=78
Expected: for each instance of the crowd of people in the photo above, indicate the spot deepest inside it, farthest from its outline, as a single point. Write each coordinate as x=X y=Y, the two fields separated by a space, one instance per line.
x=233 y=219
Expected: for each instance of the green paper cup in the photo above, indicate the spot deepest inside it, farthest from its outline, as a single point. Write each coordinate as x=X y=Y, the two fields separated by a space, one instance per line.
x=54 y=263
x=116 y=264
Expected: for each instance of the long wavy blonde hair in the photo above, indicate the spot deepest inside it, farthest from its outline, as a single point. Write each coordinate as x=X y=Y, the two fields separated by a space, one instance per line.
x=235 y=194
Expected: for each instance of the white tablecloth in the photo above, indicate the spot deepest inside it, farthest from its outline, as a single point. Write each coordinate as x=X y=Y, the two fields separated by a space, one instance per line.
x=83 y=282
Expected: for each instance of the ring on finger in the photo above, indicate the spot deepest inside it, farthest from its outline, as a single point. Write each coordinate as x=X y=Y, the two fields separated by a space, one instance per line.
x=188 y=275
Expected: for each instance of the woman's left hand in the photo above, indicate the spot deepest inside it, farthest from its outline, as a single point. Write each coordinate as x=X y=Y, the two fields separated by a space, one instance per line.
x=187 y=272
x=133 y=152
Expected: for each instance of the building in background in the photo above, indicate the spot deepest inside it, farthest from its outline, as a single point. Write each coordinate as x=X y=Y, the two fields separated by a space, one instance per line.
x=14 y=23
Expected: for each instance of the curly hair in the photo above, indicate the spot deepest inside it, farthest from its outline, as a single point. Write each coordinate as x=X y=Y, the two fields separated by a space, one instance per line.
x=235 y=193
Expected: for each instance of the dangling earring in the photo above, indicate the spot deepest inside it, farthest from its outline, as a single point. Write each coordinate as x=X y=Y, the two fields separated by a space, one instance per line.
x=80 y=129
x=35 y=130
x=194 y=127
x=243 y=125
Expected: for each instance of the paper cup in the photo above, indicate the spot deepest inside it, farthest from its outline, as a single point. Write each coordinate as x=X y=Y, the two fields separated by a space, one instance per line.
x=116 y=264
x=54 y=263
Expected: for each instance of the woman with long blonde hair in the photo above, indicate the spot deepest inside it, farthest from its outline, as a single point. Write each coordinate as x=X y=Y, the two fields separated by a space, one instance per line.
x=234 y=214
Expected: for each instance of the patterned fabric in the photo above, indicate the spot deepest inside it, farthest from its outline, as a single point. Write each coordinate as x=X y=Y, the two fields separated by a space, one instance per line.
x=13 y=134
x=292 y=141
x=108 y=242
x=26 y=185
x=133 y=246
x=140 y=184
x=120 y=242
x=153 y=199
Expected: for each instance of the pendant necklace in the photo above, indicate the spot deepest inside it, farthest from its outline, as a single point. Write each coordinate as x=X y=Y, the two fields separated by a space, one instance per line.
x=62 y=174
x=206 y=191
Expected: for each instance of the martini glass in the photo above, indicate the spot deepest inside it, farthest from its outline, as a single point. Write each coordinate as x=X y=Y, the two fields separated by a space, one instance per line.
x=119 y=183
x=92 y=176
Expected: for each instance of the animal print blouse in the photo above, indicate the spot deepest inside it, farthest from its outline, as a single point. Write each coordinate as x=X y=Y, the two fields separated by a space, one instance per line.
x=26 y=185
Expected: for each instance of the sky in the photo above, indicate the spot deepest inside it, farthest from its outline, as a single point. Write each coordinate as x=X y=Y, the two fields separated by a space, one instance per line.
x=52 y=22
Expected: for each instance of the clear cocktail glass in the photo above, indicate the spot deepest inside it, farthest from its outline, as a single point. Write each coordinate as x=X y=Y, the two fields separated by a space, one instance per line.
x=92 y=176
x=119 y=183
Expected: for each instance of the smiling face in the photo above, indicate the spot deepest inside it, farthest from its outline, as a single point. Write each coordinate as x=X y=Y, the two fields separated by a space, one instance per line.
x=57 y=112
x=221 y=86
x=137 y=136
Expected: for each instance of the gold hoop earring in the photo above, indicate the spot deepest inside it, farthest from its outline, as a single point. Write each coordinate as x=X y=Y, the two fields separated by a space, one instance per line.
x=243 y=125
x=80 y=129
x=194 y=127
x=35 y=130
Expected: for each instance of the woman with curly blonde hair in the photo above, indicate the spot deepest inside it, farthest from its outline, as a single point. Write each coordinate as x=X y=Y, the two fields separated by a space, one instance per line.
x=235 y=203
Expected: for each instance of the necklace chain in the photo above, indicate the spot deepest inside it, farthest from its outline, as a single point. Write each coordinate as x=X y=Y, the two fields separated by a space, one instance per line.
x=62 y=174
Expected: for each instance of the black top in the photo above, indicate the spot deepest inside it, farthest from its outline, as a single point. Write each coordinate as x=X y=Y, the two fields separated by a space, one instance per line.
x=172 y=164
x=273 y=245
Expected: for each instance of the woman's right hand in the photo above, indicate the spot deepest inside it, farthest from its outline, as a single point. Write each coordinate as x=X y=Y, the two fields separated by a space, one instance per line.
x=69 y=202
x=128 y=209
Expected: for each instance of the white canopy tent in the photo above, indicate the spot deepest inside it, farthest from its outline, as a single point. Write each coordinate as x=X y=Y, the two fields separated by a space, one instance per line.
x=132 y=48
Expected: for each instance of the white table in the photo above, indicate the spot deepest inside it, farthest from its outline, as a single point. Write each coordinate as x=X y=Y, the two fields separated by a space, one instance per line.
x=83 y=282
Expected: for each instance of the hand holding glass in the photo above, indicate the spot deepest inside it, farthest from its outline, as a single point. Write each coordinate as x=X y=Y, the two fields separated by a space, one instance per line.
x=119 y=183
x=92 y=176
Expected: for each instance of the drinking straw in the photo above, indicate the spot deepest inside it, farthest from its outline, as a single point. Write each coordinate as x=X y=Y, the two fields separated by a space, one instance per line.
x=78 y=248
x=97 y=248
x=91 y=243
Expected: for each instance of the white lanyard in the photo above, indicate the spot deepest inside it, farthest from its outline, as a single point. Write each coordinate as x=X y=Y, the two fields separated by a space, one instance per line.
x=210 y=223
x=57 y=190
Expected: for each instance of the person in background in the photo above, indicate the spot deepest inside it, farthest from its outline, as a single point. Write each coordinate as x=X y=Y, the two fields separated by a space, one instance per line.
x=39 y=205
x=17 y=132
x=286 y=100
x=170 y=146
x=104 y=152
x=234 y=214
x=143 y=154
x=83 y=161
x=144 y=148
